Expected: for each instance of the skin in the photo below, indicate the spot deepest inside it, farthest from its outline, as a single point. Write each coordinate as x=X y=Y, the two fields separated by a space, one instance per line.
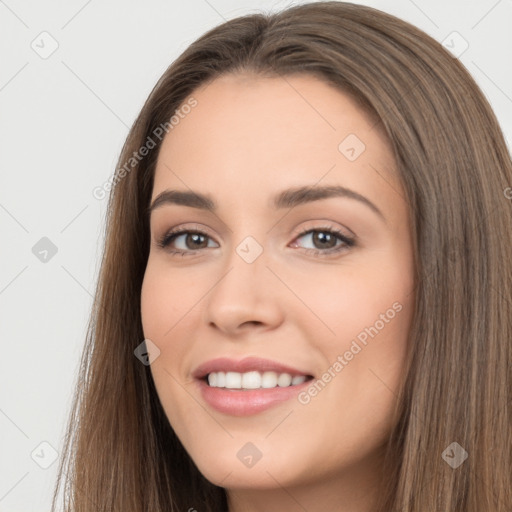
x=248 y=138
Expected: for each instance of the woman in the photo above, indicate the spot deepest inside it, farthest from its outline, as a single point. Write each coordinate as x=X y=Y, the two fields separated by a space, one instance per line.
x=305 y=300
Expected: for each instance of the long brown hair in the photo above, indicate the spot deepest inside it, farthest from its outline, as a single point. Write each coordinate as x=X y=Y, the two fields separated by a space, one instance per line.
x=120 y=452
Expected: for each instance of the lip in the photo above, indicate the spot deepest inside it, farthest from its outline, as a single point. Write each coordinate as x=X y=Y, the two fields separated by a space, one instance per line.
x=237 y=402
x=247 y=364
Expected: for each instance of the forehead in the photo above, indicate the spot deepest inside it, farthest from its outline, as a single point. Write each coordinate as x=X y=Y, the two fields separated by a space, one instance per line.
x=254 y=135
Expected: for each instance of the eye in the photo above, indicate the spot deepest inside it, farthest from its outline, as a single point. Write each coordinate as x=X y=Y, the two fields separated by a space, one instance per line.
x=191 y=240
x=325 y=240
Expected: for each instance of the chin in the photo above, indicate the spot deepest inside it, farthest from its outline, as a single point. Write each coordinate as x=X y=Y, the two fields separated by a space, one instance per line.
x=226 y=469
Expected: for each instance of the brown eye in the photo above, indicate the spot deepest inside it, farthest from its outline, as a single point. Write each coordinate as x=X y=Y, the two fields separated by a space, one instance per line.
x=197 y=240
x=325 y=240
x=185 y=241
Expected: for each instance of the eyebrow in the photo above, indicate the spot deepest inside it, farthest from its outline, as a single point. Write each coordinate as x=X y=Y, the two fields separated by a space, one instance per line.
x=288 y=198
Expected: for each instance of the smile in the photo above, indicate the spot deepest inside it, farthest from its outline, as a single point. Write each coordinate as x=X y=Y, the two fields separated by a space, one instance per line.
x=253 y=380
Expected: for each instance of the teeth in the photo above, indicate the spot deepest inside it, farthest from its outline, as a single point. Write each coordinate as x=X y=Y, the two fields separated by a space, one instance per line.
x=285 y=379
x=233 y=380
x=221 y=379
x=253 y=380
x=269 y=380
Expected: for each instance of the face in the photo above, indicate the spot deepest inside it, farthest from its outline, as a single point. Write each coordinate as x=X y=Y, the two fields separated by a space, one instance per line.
x=258 y=287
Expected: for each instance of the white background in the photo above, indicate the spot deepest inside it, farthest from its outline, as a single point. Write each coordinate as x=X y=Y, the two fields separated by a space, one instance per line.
x=63 y=121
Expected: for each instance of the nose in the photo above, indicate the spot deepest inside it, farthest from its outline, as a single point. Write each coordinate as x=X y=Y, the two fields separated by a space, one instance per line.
x=246 y=296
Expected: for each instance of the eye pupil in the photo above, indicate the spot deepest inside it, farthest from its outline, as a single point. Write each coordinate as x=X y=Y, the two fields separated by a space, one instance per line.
x=196 y=238
x=321 y=237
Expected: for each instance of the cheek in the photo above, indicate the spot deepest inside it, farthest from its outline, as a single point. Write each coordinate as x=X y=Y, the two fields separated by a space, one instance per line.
x=366 y=316
x=349 y=298
x=165 y=298
x=364 y=361
x=164 y=301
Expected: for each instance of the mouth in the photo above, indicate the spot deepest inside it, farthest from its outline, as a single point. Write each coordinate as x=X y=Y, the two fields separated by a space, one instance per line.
x=248 y=386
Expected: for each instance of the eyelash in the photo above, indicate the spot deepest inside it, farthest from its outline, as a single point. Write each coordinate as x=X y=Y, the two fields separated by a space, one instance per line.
x=170 y=236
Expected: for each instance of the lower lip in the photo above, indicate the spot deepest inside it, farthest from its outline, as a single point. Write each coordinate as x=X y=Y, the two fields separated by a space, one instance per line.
x=238 y=402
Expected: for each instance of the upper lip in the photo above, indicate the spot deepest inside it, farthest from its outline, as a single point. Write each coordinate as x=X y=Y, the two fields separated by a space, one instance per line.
x=244 y=365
